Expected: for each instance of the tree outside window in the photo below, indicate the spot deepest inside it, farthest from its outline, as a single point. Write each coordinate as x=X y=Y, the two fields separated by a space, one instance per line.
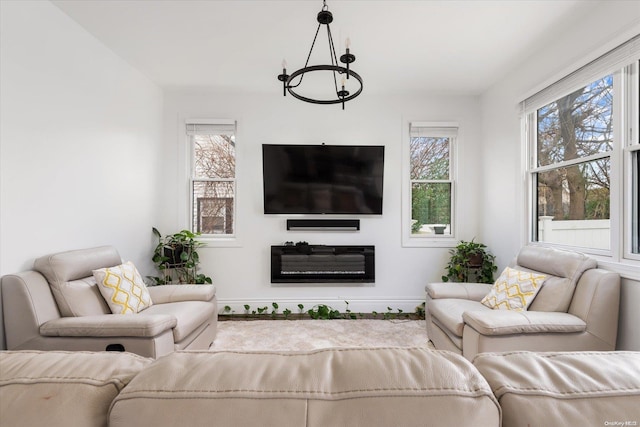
x=431 y=184
x=213 y=179
x=573 y=167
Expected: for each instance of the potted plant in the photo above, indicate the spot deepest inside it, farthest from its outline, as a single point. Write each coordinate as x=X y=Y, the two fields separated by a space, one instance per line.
x=439 y=229
x=470 y=260
x=176 y=257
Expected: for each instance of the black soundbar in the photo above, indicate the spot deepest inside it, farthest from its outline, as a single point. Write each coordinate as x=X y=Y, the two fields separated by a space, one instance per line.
x=324 y=224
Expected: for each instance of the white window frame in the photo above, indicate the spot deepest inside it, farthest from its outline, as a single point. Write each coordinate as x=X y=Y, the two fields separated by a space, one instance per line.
x=435 y=129
x=203 y=127
x=631 y=190
x=622 y=63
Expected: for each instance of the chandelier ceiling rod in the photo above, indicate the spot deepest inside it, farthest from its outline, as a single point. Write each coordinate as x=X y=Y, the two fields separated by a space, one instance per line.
x=341 y=95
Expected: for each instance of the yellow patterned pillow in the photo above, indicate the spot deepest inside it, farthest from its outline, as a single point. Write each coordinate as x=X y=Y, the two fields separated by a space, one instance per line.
x=123 y=288
x=514 y=290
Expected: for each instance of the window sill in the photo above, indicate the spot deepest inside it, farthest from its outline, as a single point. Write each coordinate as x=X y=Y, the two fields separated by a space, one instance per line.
x=429 y=242
x=210 y=241
x=628 y=269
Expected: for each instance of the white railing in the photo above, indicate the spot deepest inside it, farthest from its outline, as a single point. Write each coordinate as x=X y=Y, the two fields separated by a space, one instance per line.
x=591 y=233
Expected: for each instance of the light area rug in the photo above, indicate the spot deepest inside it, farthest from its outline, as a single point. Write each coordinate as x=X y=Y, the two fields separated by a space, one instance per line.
x=301 y=335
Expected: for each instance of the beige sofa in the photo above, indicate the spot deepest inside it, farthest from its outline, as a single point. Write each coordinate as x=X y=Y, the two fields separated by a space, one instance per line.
x=564 y=388
x=57 y=306
x=332 y=387
x=576 y=309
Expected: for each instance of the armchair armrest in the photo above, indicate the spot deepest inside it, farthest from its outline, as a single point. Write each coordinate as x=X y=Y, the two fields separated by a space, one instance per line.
x=505 y=322
x=176 y=293
x=109 y=325
x=470 y=291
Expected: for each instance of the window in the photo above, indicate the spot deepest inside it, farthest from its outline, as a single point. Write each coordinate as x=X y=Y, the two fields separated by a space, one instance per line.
x=430 y=181
x=580 y=133
x=572 y=170
x=212 y=177
x=633 y=115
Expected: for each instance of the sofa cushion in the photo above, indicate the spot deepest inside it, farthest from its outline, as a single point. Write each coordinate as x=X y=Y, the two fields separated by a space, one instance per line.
x=569 y=388
x=189 y=315
x=471 y=291
x=123 y=288
x=176 y=293
x=513 y=290
x=108 y=326
x=329 y=387
x=511 y=322
x=555 y=295
x=71 y=279
x=564 y=268
x=449 y=312
x=62 y=388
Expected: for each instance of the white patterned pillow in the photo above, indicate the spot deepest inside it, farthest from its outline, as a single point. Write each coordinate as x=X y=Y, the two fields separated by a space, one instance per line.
x=514 y=290
x=123 y=288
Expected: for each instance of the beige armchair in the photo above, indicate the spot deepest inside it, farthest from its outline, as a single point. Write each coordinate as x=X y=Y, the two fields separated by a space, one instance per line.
x=57 y=306
x=576 y=309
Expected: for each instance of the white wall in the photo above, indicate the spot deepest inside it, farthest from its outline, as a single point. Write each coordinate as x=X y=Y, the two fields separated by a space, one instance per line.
x=606 y=26
x=80 y=163
x=242 y=274
x=79 y=142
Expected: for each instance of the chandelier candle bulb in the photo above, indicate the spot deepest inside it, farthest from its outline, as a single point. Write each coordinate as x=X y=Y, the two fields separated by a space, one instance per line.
x=284 y=77
x=347 y=58
x=346 y=55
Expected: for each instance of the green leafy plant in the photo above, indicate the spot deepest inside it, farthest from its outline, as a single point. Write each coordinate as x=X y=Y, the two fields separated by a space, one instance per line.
x=301 y=312
x=323 y=311
x=420 y=310
x=470 y=261
x=177 y=253
x=347 y=313
x=388 y=314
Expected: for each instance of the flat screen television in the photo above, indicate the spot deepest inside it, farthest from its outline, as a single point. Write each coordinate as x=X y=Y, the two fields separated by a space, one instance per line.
x=323 y=179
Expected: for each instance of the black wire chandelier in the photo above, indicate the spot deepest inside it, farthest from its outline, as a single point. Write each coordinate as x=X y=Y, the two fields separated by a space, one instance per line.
x=290 y=82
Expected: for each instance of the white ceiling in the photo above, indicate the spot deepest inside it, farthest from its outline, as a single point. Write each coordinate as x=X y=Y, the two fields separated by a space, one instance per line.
x=401 y=46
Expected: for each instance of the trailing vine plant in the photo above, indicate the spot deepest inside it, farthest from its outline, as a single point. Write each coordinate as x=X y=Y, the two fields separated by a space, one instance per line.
x=325 y=312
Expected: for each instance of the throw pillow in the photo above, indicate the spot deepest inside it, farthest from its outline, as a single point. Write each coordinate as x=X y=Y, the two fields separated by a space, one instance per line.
x=123 y=288
x=514 y=290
